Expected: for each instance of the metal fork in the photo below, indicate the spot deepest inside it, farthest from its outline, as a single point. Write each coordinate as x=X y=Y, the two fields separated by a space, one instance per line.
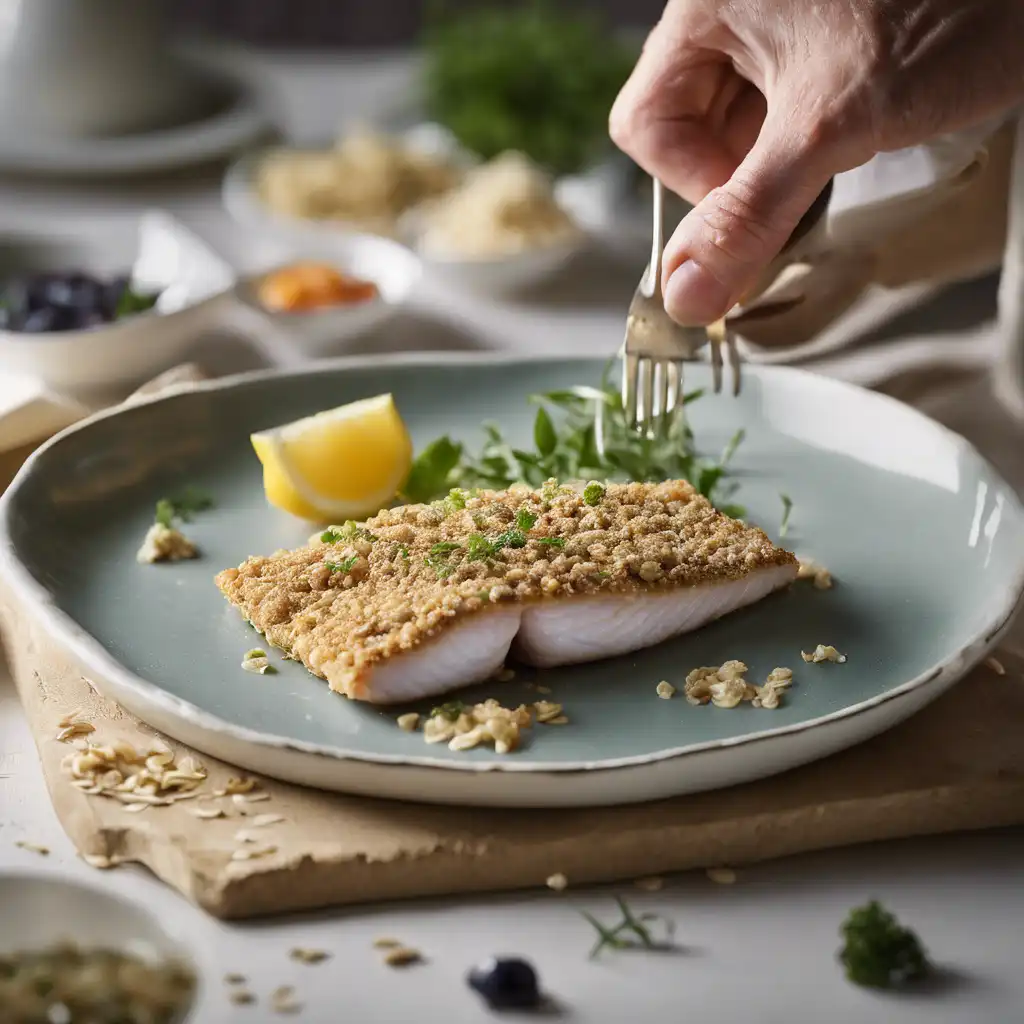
x=656 y=347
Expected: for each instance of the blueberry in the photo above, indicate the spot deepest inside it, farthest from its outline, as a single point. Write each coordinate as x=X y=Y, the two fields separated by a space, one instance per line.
x=48 y=319
x=507 y=983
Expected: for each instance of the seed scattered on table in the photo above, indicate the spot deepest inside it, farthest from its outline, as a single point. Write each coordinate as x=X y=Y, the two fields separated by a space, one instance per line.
x=309 y=956
x=43 y=851
x=558 y=882
x=386 y=943
x=665 y=689
x=403 y=956
x=75 y=729
x=282 y=1000
x=234 y=979
x=242 y=997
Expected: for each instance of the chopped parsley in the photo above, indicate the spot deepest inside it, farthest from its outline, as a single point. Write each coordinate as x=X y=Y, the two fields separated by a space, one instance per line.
x=526 y=520
x=787 y=508
x=183 y=507
x=451 y=710
x=877 y=951
x=593 y=493
x=346 y=565
x=403 y=552
x=350 y=531
x=552 y=542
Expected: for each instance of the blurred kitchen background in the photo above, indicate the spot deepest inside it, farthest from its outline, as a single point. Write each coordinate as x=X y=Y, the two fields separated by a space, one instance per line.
x=355 y=23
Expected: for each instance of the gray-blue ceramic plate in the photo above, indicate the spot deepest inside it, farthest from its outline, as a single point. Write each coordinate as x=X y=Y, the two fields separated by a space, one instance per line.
x=925 y=541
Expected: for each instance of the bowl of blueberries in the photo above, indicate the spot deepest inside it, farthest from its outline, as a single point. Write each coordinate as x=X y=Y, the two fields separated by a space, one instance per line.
x=77 y=314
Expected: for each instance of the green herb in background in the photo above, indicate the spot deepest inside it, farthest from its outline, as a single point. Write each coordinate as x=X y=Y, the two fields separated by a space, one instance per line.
x=130 y=302
x=183 y=507
x=566 y=448
x=533 y=78
x=787 y=509
x=878 y=951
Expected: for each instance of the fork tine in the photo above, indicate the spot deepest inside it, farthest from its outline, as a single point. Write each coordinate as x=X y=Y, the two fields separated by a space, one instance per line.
x=673 y=386
x=716 y=364
x=734 y=361
x=666 y=372
x=630 y=383
x=648 y=394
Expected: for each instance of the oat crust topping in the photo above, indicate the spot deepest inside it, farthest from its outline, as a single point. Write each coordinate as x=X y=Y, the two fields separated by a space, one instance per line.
x=384 y=587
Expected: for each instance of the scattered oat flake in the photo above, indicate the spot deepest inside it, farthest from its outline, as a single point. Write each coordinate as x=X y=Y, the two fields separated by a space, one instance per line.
x=409 y=722
x=43 y=851
x=265 y=820
x=665 y=689
x=823 y=652
x=652 y=884
x=101 y=862
x=309 y=956
x=282 y=1000
x=386 y=943
x=721 y=876
x=403 y=956
x=75 y=729
x=245 y=784
x=242 y=997
x=253 y=852
x=543 y=689
x=996 y=665
x=234 y=979
x=558 y=882
x=208 y=813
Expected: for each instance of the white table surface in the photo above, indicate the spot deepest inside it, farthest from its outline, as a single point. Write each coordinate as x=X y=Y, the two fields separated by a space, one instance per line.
x=761 y=950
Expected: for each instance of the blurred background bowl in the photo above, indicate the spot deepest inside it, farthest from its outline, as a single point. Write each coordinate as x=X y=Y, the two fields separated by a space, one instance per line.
x=40 y=910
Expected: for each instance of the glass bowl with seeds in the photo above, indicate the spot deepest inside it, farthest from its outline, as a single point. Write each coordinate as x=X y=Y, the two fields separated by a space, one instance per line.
x=71 y=952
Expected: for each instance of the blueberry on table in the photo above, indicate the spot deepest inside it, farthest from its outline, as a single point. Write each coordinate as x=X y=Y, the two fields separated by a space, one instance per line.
x=507 y=983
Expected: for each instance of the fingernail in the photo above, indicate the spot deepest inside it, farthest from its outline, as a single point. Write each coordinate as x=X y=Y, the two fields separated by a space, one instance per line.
x=694 y=297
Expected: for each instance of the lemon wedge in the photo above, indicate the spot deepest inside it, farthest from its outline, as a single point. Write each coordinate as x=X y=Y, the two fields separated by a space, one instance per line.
x=345 y=463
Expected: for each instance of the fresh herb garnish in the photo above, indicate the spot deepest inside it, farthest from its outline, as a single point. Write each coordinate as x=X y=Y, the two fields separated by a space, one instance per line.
x=346 y=565
x=787 y=508
x=552 y=542
x=451 y=710
x=630 y=933
x=183 y=507
x=591 y=441
x=526 y=520
x=524 y=77
x=403 y=552
x=349 y=531
x=593 y=493
x=130 y=302
x=439 y=558
x=878 y=951
x=431 y=473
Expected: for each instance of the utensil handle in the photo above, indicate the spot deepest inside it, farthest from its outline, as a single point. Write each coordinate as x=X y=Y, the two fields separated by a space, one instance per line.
x=652 y=282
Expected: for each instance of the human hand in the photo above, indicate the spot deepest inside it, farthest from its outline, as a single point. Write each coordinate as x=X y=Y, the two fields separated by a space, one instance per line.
x=747 y=108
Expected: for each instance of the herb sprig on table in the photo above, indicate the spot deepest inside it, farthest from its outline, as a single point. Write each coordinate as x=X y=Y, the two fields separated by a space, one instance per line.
x=579 y=433
x=533 y=77
x=879 y=952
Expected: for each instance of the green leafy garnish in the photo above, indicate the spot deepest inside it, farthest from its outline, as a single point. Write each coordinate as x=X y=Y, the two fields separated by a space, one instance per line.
x=787 y=508
x=451 y=710
x=403 y=552
x=593 y=493
x=552 y=542
x=526 y=520
x=575 y=420
x=534 y=78
x=349 y=531
x=878 y=951
x=183 y=507
x=630 y=933
x=130 y=302
x=346 y=565
x=431 y=473
x=439 y=558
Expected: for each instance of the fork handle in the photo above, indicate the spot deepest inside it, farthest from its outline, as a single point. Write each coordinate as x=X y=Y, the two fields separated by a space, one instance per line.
x=652 y=285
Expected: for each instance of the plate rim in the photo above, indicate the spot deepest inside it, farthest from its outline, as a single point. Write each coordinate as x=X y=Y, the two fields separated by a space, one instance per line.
x=89 y=652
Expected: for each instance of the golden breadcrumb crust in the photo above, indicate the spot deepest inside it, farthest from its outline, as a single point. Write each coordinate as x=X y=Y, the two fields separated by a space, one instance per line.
x=387 y=585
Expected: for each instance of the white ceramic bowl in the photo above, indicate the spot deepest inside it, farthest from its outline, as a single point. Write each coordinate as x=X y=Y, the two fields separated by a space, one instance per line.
x=392 y=267
x=40 y=909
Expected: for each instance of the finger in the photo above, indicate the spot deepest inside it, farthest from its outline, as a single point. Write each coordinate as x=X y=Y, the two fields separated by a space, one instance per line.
x=734 y=232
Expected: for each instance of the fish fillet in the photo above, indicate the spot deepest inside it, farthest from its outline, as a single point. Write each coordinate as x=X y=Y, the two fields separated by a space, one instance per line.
x=423 y=599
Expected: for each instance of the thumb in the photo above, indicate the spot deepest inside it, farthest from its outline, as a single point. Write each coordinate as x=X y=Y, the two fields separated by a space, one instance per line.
x=725 y=243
